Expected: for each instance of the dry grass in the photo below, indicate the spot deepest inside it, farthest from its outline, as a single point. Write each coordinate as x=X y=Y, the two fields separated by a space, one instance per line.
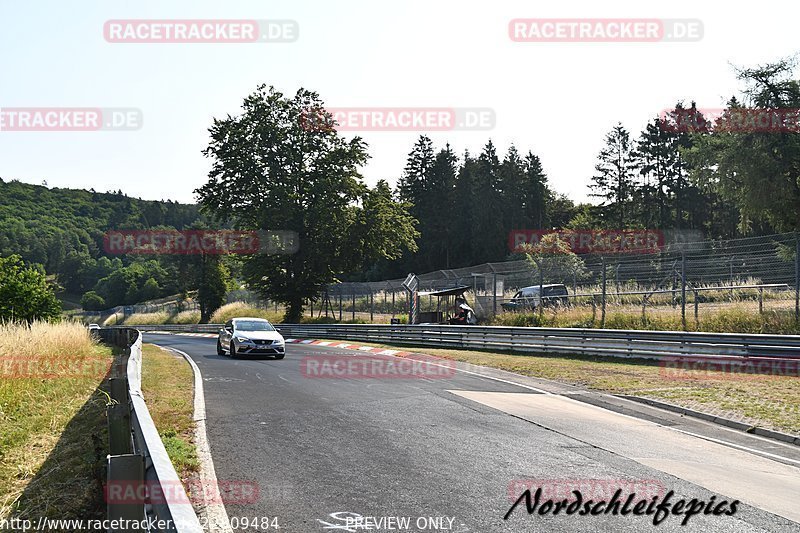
x=52 y=420
x=167 y=384
x=113 y=319
x=727 y=319
x=765 y=400
x=185 y=317
x=147 y=319
x=240 y=309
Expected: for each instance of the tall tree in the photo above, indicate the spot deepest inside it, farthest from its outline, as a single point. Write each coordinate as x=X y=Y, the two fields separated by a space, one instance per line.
x=488 y=238
x=537 y=194
x=614 y=178
x=439 y=224
x=463 y=216
x=212 y=285
x=757 y=168
x=272 y=169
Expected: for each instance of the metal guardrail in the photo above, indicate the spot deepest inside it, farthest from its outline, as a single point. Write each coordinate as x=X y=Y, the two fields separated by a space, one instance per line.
x=138 y=459
x=583 y=341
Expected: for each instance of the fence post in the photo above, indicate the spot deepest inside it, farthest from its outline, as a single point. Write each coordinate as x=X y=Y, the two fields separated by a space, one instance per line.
x=644 y=310
x=393 y=308
x=574 y=282
x=541 y=294
x=340 y=304
x=371 y=306
x=696 y=311
x=796 y=278
x=683 y=290
x=494 y=294
x=354 y=304
x=760 y=300
x=603 y=296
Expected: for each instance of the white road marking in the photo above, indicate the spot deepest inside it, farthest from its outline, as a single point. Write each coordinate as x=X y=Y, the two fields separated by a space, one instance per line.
x=216 y=514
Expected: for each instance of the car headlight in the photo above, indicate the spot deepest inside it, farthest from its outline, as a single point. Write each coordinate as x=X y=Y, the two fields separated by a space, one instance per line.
x=242 y=339
x=278 y=342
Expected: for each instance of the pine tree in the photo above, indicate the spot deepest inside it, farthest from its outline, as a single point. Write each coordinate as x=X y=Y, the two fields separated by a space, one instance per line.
x=614 y=178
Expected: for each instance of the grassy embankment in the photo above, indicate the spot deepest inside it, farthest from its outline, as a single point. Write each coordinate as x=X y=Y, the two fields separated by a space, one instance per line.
x=53 y=437
x=167 y=385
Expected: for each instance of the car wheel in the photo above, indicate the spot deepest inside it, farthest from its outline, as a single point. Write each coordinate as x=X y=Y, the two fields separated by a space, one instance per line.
x=233 y=350
x=220 y=351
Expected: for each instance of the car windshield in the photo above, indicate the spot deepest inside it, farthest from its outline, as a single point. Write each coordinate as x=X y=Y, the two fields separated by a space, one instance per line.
x=254 y=325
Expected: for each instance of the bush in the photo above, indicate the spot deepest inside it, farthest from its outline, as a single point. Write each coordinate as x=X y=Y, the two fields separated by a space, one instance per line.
x=91 y=301
x=25 y=294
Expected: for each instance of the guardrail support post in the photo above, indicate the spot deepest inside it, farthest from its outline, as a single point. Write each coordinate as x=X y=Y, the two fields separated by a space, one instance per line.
x=124 y=472
x=119 y=429
x=494 y=294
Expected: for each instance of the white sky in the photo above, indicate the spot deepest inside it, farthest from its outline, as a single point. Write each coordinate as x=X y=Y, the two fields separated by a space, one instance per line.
x=556 y=99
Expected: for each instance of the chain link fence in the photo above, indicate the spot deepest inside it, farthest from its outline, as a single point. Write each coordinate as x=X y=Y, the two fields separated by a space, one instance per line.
x=682 y=285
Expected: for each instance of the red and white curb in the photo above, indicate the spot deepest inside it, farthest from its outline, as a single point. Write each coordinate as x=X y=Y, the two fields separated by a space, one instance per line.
x=331 y=344
x=349 y=346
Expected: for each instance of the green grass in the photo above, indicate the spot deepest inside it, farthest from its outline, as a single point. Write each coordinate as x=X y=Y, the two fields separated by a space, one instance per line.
x=767 y=401
x=168 y=387
x=53 y=438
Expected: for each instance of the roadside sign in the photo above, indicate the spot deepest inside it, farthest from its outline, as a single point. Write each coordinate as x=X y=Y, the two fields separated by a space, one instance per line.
x=411 y=283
